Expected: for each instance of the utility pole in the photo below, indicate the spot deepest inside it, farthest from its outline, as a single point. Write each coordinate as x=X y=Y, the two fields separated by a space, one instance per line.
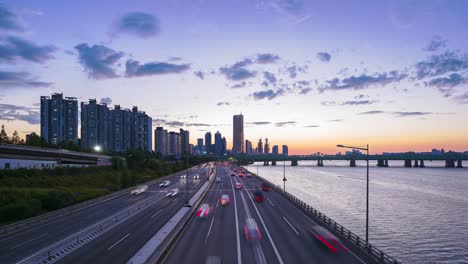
x=284 y=176
x=187 y=202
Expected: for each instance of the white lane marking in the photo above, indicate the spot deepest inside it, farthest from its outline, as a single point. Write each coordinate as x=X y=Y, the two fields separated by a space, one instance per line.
x=278 y=256
x=239 y=256
x=155 y=214
x=270 y=202
x=118 y=242
x=209 y=229
x=19 y=245
x=217 y=202
x=292 y=227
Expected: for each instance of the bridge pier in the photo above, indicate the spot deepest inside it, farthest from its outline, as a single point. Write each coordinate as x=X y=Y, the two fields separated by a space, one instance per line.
x=293 y=162
x=459 y=164
x=352 y=163
x=421 y=164
x=273 y=163
x=416 y=164
x=385 y=163
x=319 y=163
x=408 y=163
x=380 y=163
x=266 y=163
x=450 y=164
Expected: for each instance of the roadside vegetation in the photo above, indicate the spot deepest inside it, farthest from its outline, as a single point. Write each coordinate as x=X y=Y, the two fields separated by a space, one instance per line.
x=25 y=193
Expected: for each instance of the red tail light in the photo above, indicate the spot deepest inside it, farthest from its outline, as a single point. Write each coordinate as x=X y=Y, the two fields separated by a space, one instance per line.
x=324 y=241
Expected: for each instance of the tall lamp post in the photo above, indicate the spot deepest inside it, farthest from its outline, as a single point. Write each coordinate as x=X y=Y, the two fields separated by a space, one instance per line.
x=366 y=148
x=284 y=176
x=187 y=202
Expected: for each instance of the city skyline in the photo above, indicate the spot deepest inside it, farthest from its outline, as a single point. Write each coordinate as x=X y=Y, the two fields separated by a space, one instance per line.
x=383 y=76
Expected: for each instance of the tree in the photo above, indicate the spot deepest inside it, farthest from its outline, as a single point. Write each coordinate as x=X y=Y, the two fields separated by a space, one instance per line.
x=3 y=136
x=15 y=139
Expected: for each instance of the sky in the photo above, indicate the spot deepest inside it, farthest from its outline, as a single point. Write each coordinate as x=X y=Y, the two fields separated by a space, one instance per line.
x=309 y=74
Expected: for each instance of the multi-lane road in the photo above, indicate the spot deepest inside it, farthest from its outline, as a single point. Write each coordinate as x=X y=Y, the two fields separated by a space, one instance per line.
x=115 y=246
x=286 y=232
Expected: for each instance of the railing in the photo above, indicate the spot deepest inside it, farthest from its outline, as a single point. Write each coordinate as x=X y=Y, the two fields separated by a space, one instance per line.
x=373 y=251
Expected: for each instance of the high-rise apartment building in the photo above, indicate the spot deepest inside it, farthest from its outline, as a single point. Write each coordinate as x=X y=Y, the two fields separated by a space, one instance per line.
x=200 y=145
x=274 y=150
x=160 y=141
x=266 y=149
x=94 y=125
x=141 y=130
x=174 y=144
x=285 y=150
x=238 y=134
x=223 y=146
x=119 y=129
x=260 y=146
x=208 y=143
x=59 y=119
x=185 y=142
x=218 y=144
x=248 y=147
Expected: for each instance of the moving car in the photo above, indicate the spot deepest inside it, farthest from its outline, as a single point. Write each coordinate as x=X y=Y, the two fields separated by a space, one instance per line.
x=218 y=179
x=259 y=196
x=248 y=175
x=233 y=174
x=196 y=177
x=164 y=183
x=172 y=192
x=203 y=211
x=327 y=239
x=266 y=187
x=241 y=174
x=140 y=189
x=238 y=185
x=251 y=230
x=224 y=200
x=183 y=176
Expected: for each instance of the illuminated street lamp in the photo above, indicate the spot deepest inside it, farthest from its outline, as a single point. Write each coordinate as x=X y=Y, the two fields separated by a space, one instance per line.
x=366 y=148
x=97 y=148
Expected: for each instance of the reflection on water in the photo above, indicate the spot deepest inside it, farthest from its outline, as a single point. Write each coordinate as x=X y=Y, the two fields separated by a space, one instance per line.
x=419 y=215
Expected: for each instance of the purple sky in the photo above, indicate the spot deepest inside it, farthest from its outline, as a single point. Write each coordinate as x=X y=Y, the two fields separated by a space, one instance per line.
x=308 y=74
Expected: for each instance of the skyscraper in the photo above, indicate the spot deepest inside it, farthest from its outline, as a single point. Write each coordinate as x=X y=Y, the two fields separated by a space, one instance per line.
x=267 y=146
x=260 y=146
x=275 y=150
x=160 y=141
x=218 y=144
x=185 y=142
x=120 y=129
x=208 y=142
x=238 y=135
x=94 y=125
x=285 y=150
x=174 y=144
x=223 y=146
x=141 y=135
x=248 y=147
x=59 y=119
x=200 y=145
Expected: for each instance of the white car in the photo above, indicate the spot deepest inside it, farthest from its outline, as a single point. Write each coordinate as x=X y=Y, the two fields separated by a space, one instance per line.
x=164 y=183
x=172 y=192
x=183 y=176
x=196 y=177
x=140 y=189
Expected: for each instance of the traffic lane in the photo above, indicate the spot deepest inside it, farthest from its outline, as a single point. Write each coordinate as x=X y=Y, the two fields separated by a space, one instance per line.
x=222 y=238
x=278 y=211
x=189 y=248
x=121 y=243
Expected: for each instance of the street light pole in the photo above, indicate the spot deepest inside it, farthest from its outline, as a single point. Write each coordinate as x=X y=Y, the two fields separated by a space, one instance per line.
x=187 y=202
x=284 y=176
x=367 y=184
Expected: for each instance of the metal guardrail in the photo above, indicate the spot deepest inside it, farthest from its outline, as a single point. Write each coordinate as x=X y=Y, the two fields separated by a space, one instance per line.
x=44 y=218
x=373 y=251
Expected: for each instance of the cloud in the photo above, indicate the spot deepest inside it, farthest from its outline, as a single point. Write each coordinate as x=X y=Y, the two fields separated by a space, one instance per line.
x=23 y=113
x=170 y=123
x=223 y=103
x=292 y=7
x=175 y=58
x=239 y=85
x=292 y=71
x=305 y=91
x=436 y=43
x=106 y=100
x=135 y=69
x=446 y=84
x=336 y=120
x=462 y=99
x=374 y=112
x=259 y=123
x=138 y=24
x=351 y=102
x=282 y=124
x=8 y=20
x=323 y=56
x=98 y=60
x=270 y=78
x=14 y=48
x=20 y=79
x=363 y=81
x=441 y=64
x=267 y=58
x=199 y=74
x=268 y=94
x=404 y=114
x=237 y=71
x=312 y=126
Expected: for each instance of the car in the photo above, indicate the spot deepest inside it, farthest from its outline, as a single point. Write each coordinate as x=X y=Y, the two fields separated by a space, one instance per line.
x=241 y=174
x=164 y=183
x=203 y=211
x=327 y=239
x=235 y=170
x=233 y=174
x=259 y=196
x=251 y=230
x=196 y=177
x=266 y=187
x=248 y=175
x=218 y=179
x=183 y=176
x=238 y=185
x=172 y=192
x=140 y=189
x=224 y=200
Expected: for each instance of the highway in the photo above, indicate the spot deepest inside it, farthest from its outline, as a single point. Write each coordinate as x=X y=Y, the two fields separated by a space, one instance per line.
x=18 y=246
x=286 y=235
